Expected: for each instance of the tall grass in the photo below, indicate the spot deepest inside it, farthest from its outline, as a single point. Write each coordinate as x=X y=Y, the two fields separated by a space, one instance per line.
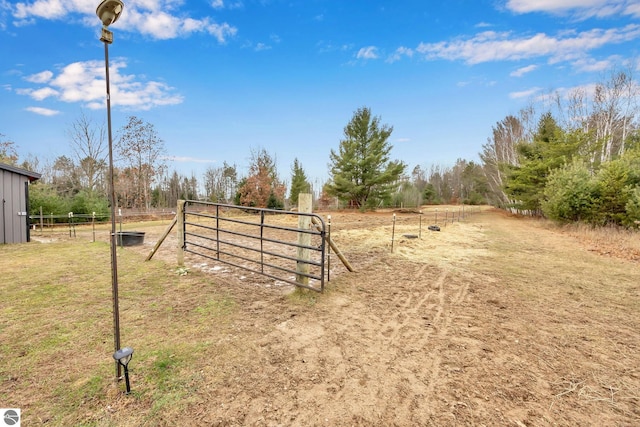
x=612 y=236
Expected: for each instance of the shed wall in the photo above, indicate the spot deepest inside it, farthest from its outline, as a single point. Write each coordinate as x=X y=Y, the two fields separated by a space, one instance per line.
x=13 y=212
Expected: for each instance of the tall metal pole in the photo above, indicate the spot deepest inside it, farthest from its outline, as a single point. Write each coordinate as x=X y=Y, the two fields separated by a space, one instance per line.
x=112 y=191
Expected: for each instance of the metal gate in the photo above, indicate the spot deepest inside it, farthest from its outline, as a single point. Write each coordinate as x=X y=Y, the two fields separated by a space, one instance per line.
x=285 y=246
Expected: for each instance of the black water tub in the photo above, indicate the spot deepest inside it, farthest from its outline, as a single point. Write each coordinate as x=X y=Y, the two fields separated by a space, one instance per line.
x=130 y=238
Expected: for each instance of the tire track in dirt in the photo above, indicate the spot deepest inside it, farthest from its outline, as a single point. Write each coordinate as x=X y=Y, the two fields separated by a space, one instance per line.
x=415 y=328
x=423 y=323
x=429 y=336
x=446 y=315
x=374 y=353
x=413 y=317
x=406 y=316
x=441 y=330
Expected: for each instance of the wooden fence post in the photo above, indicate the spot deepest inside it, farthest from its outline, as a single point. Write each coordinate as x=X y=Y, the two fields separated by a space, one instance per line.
x=305 y=205
x=180 y=218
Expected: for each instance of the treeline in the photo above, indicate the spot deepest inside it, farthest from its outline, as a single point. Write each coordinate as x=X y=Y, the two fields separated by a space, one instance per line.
x=571 y=156
x=577 y=161
x=78 y=182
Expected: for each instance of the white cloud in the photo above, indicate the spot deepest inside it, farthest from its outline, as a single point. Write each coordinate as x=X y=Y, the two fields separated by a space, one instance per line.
x=476 y=81
x=163 y=26
x=42 y=111
x=261 y=46
x=158 y=19
x=592 y=65
x=491 y=46
x=526 y=6
x=400 y=53
x=193 y=25
x=525 y=93
x=42 y=77
x=633 y=10
x=38 y=94
x=182 y=159
x=325 y=47
x=223 y=4
x=48 y=9
x=580 y=9
x=524 y=70
x=483 y=25
x=221 y=31
x=586 y=91
x=84 y=82
x=5 y=8
x=369 y=52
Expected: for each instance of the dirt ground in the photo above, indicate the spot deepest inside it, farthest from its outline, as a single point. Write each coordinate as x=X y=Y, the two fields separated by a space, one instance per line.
x=494 y=320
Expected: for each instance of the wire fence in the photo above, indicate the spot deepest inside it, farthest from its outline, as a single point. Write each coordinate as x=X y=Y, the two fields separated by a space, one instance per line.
x=95 y=225
x=430 y=220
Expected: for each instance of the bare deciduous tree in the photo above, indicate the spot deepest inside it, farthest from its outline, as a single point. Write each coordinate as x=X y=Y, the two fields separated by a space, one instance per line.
x=220 y=183
x=140 y=149
x=89 y=147
x=8 y=153
x=614 y=109
x=500 y=150
x=607 y=114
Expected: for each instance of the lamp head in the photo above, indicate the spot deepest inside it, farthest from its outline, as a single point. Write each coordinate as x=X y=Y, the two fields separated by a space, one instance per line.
x=123 y=356
x=109 y=11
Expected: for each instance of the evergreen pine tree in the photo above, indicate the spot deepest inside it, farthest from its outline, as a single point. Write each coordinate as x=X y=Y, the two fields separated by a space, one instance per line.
x=299 y=183
x=551 y=149
x=362 y=172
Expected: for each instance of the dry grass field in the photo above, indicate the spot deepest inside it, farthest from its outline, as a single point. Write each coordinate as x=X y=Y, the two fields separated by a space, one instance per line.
x=494 y=320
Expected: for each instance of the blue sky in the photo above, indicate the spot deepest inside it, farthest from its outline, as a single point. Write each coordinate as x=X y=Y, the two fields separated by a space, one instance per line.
x=218 y=78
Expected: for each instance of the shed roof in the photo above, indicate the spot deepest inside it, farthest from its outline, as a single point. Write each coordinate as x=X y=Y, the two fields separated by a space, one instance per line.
x=31 y=175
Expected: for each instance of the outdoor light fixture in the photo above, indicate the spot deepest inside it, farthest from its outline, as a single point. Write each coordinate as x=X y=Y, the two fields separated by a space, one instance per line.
x=123 y=357
x=109 y=11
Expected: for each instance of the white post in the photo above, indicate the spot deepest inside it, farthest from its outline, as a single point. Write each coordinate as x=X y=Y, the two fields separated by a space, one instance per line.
x=180 y=218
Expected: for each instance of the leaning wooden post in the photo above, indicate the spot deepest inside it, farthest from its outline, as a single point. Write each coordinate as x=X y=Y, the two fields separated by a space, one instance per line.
x=180 y=219
x=305 y=205
x=164 y=236
x=393 y=231
x=333 y=246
